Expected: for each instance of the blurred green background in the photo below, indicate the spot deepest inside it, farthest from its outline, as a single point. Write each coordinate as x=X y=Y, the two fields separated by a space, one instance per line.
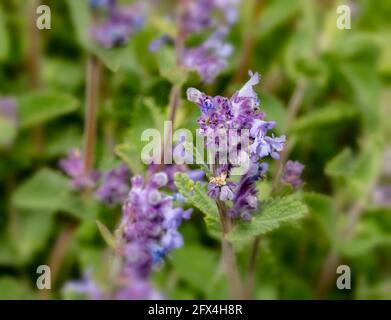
x=341 y=132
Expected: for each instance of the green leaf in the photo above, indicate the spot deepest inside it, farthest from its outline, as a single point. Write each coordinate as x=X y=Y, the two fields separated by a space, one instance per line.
x=274 y=213
x=274 y=110
x=145 y=115
x=8 y=131
x=106 y=234
x=330 y=114
x=341 y=165
x=33 y=230
x=168 y=68
x=45 y=190
x=39 y=107
x=49 y=191
x=195 y=265
x=196 y=194
x=14 y=289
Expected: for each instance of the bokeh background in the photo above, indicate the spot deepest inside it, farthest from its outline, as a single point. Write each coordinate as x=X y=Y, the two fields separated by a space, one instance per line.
x=337 y=80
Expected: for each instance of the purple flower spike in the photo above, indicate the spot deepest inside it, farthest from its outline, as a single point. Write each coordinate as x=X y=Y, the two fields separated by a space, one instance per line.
x=209 y=59
x=114 y=186
x=292 y=174
x=150 y=224
x=119 y=26
x=73 y=166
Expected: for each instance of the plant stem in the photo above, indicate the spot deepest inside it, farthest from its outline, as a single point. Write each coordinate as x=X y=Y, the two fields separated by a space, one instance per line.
x=248 y=290
x=229 y=258
x=58 y=253
x=94 y=70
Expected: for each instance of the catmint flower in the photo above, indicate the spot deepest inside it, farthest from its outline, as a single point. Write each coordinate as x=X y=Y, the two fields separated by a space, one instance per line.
x=292 y=173
x=73 y=166
x=150 y=224
x=382 y=195
x=210 y=58
x=245 y=201
x=114 y=186
x=119 y=25
x=85 y=287
x=239 y=116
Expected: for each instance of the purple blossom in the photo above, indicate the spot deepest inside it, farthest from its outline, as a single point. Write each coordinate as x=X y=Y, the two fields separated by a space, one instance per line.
x=239 y=117
x=119 y=26
x=382 y=195
x=73 y=166
x=209 y=59
x=245 y=201
x=292 y=173
x=8 y=109
x=115 y=185
x=85 y=287
x=150 y=225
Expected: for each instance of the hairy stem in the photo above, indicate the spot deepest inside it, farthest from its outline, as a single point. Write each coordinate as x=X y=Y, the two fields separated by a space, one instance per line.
x=94 y=70
x=229 y=258
x=249 y=287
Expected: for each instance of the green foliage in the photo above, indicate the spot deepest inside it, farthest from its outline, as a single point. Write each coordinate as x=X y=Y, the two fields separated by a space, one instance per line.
x=274 y=212
x=49 y=191
x=39 y=107
x=328 y=115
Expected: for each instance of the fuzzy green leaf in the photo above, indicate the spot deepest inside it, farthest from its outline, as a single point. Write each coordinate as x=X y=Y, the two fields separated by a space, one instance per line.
x=39 y=107
x=274 y=213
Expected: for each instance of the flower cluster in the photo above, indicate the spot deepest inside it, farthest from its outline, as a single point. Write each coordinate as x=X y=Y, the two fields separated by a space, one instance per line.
x=111 y=186
x=119 y=23
x=214 y=17
x=73 y=166
x=241 y=116
x=114 y=186
x=292 y=174
x=210 y=57
x=148 y=233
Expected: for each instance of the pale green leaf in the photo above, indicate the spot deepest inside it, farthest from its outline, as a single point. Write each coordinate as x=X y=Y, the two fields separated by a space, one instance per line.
x=39 y=107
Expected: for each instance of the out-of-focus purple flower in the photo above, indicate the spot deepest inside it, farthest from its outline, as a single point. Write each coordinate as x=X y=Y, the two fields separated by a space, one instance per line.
x=119 y=26
x=85 y=287
x=198 y=15
x=114 y=186
x=382 y=195
x=150 y=225
x=155 y=44
x=102 y=4
x=8 y=109
x=210 y=58
x=292 y=173
x=137 y=289
x=73 y=166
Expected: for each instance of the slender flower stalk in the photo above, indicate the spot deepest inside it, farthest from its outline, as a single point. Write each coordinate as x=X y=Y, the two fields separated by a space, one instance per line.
x=94 y=74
